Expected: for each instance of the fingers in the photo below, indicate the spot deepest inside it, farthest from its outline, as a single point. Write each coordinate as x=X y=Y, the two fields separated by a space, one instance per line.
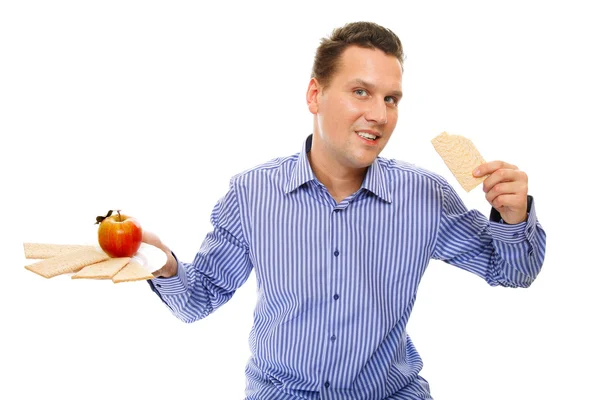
x=506 y=188
x=506 y=181
x=508 y=202
x=508 y=199
x=492 y=166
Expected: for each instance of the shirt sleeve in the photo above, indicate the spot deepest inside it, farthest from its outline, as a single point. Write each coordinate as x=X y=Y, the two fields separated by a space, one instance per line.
x=220 y=267
x=502 y=254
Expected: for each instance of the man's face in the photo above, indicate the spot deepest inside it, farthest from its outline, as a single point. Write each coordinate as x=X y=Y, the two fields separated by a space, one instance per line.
x=357 y=113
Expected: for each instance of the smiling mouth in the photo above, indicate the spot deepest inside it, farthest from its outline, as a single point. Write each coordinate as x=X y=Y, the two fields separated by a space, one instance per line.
x=369 y=137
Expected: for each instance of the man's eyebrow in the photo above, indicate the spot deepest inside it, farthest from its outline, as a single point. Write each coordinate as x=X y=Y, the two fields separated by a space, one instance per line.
x=370 y=86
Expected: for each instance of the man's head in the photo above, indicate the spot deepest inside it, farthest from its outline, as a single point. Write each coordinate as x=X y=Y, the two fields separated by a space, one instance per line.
x=364 y=34
x=354 y=92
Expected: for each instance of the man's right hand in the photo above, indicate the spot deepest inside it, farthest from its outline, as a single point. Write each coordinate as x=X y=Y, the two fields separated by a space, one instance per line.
x=170 y=268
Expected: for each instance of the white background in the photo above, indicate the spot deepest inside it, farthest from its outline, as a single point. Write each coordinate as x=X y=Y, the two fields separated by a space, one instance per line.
x=152 y=106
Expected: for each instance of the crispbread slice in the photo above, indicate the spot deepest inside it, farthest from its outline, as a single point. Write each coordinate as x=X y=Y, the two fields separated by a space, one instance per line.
x=461 y=156
x=71 y=262
x=133 y=271
x=102 y=270
x=41 y=251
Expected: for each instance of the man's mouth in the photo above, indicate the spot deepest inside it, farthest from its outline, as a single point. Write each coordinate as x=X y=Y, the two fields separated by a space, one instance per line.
x=367 y=136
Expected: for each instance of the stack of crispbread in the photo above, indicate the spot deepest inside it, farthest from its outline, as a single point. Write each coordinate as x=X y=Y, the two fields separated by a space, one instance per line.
x=86 y=262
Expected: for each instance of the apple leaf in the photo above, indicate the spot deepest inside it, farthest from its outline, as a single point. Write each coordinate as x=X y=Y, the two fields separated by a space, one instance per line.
x=101 y=218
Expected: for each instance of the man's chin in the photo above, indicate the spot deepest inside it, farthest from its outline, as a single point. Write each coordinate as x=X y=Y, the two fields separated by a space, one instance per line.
x=361 y=163
x=366 y=158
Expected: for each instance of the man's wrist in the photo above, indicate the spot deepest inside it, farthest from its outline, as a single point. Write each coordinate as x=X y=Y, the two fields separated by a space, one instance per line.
x=495 y=216
x=168 y=270
x=171 y=266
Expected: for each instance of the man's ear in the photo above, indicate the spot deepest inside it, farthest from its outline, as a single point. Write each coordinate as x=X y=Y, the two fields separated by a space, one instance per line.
x=312 y=95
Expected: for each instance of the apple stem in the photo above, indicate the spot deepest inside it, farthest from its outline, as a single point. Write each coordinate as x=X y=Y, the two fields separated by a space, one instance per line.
x=119 y=213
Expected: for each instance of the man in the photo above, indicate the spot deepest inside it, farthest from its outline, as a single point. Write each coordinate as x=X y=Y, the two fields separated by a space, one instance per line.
x=339 y=239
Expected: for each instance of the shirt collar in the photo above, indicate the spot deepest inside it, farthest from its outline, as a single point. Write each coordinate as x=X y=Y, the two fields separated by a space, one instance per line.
x=374 y=181
x=302 y=173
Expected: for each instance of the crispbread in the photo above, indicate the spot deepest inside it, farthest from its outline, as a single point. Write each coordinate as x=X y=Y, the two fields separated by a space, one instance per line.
x=41 y=251
x=71 y=262
x=103 y=269
x=461 y=156
x=133 y=271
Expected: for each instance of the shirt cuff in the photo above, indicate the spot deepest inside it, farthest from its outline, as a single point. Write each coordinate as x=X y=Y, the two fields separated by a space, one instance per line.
x=176 y=284
x=517 y=232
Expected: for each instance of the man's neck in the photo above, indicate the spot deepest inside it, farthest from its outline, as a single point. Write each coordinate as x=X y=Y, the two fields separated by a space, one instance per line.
x=340 y=182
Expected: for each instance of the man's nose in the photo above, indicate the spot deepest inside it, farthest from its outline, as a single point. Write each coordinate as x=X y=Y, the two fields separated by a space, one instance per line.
x=377 y=112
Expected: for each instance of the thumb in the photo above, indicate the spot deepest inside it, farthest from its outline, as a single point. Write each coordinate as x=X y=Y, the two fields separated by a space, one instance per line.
x=151 y=238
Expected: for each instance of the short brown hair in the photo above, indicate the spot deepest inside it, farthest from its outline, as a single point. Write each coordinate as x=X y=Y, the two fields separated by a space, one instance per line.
x=363 y=34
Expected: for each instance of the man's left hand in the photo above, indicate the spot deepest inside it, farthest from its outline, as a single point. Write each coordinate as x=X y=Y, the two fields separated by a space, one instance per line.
x=505 y=189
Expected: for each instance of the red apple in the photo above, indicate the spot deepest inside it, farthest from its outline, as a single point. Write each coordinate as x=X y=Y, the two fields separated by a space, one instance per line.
x=119 y=235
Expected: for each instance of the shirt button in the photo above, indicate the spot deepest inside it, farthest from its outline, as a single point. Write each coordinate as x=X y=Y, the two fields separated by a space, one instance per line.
x=336 y=253
x=335 y=296
x=333 y=338
x=326 y=385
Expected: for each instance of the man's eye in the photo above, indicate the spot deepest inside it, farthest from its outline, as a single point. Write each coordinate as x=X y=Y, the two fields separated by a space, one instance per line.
x=391 y=100
x=361 y=92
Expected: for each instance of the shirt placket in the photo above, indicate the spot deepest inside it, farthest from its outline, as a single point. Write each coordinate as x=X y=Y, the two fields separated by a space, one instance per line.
x=332 y=335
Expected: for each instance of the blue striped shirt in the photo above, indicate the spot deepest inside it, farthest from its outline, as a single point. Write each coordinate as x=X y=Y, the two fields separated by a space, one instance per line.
x=336 y=283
